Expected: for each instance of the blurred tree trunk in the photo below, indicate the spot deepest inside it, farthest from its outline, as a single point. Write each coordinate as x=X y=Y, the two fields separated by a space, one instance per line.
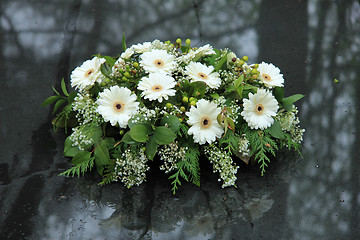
x=283 y=37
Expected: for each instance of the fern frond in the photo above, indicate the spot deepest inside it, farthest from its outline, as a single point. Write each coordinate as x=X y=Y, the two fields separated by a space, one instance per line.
x=79 y=169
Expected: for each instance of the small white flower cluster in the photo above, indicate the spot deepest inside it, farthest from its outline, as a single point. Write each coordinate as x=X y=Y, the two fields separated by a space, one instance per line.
x=223 y=164
x=244 y=144
x=145 y=114
x=156 y=44
x=289 y=122
x=86 y=109
x=80 y=139
x=131 y=167
x=171 y=154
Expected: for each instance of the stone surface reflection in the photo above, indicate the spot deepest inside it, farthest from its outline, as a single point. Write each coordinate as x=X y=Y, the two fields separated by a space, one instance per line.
x=313 y=42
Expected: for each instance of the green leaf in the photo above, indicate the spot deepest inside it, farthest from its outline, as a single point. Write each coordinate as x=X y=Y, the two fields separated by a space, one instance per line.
x=71 y=97
x=172 y=121
x=51 y=100
x=139 y=133
x=81 y=157
x=106 y=69
x=198 y=87
x=164 y=135
x=63 y=87
x=69 y=149
x=127 y=139
x=240 y=90
x=290 y=100
x=93 y=131
x=123 y=42
x=57 y=93
x=151 y=148
x=276 y=131
x=101 y=153
x=238 y=81
x=58 y=104
x=279 y=93
x=221 y=63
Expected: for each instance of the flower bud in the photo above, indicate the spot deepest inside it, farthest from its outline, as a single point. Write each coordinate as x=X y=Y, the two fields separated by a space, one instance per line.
x=178 y=41
x=168 y=105
x=182 y=108
x=188 y=42
x=185 y=99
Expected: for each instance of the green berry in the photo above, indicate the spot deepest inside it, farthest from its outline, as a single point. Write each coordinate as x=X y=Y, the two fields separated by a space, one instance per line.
x=188 y=42
x=192 y=103
x=136 y=65
x=127 y=74
x=178 y=41
x=180 y=119
x=121 y=132
x=182 y=108
x=168 y=105
x=171 y=45
x=192 y=99
x=103 y=84
x=245 y=58
x=255 y=76
x=185 y=99
x=124 y=78
x=127 y=67
x=254 y=71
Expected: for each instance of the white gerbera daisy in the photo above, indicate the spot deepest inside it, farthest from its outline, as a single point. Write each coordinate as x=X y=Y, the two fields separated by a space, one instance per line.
x=260 y=109
x=141 y=48
x=117 y=105
x=127 y=54
x=270 y=75
x=203 y=121
x=157 y=86
x=205 y=50
x=87 y=74
x=157 y=61
x=200 y=72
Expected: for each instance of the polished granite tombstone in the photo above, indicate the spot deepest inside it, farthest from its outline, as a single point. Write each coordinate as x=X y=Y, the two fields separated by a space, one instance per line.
x=313 y=197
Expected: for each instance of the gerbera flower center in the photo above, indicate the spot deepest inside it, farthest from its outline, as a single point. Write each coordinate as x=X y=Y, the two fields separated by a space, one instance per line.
x=89 y=72
x=266 y=77
x=157 y=88
x=202 y=75
x=119 y=106
x=205 y=122
x=259 y=108
x=159 y=63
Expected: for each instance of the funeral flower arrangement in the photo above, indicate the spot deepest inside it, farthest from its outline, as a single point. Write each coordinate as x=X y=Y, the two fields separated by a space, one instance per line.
x=173 y=103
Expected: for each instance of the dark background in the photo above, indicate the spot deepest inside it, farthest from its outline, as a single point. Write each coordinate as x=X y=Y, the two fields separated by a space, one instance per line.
x=314 y=197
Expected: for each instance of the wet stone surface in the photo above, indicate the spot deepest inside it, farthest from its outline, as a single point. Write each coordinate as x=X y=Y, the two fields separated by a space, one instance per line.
x=314 y=197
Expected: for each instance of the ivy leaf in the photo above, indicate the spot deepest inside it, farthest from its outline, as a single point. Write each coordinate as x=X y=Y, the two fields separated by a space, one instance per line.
x=151 y=148
x=164 y=135
x=172 y=121
x=276 y=131
x=80 y=157
x=139 y=133
x=69 y=149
